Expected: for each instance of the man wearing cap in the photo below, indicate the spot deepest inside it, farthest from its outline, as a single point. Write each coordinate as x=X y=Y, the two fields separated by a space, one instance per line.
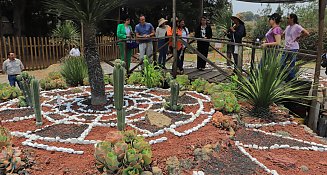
x=145 y=30
x=235 y=34
x=12 y=67
x=292 y=33
x=161 y=32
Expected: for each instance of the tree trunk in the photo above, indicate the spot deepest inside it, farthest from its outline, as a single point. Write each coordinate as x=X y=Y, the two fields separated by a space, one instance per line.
x=95 y=72
x=18 y=14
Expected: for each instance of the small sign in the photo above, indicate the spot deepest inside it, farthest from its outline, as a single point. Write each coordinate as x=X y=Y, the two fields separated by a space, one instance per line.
x=218 y=45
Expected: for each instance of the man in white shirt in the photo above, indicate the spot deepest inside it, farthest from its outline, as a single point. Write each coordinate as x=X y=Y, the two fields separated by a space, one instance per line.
x=12 y=67
x=75 y=52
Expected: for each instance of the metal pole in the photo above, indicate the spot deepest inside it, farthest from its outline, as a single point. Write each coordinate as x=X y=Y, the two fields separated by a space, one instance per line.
x=174 y=40
x=314 y=113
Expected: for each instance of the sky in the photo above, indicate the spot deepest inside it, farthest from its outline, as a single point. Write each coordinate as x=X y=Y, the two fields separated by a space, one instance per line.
x=240 y=6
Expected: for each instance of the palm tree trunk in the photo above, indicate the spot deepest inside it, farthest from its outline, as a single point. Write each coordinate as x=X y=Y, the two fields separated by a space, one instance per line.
x=95 y=72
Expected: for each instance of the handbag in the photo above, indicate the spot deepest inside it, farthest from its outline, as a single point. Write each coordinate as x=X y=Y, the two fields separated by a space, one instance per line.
x=132 y=44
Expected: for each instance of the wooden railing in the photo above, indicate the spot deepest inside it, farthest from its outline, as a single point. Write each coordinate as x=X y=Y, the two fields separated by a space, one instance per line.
x=41 y=52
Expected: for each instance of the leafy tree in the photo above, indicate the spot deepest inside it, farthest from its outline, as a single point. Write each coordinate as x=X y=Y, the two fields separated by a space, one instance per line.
x=90 y=12
x=248 y=16
x=261 y=26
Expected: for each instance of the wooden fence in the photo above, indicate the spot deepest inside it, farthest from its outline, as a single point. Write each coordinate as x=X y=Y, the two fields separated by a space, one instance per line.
x=41 y=52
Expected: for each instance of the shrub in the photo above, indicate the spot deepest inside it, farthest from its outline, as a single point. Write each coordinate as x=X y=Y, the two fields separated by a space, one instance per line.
x=7 y=92
x=74 y=70
x=151 y=75
x=267 y=85
x=54 y=81
x=135 y=78
x=183 y=81
x=108 y=79
x=199 y=85
x=123 y=153
x=225 y=101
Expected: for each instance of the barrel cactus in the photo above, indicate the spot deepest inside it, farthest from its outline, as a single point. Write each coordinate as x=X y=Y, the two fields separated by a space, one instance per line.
x=131 y=154
x=118 y=76
x=35 y=92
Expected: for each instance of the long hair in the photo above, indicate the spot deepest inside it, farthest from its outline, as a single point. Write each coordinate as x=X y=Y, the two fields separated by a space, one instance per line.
x=294 y=17
x=203 y=17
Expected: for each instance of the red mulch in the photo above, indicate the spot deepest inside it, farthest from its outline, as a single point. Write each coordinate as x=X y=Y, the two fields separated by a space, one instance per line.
x=24 y=125
x=290 y=161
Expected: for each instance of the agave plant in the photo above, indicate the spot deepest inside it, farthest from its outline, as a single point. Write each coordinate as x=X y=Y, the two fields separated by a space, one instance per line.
x=268 y=84
x=66 y=34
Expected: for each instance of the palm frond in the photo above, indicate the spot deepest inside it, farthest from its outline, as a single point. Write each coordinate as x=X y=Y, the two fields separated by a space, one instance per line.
x=88 y=11
x=66 y=34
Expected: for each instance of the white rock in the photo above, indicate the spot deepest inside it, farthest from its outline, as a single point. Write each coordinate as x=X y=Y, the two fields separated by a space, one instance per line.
x=200 y=173
x=255 y=146
x=195 y=173
x=284 y=146
x=273 y=172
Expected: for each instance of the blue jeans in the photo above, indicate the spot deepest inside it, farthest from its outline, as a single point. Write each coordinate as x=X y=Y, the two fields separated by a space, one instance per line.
x=162 y=52
x=12 y=80
x=292 y=58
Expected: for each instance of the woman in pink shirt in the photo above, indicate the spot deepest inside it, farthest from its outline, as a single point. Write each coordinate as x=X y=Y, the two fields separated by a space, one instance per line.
x=293 y=33
x=274 y=35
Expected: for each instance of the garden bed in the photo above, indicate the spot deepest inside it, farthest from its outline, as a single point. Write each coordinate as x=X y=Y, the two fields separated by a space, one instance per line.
x=73 y=130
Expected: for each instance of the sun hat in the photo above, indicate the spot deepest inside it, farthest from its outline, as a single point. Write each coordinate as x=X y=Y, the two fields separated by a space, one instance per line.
x=161 y=21
x=239 y=17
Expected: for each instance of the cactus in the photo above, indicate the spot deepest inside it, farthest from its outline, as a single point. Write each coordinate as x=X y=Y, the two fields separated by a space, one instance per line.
x=5 y=137
x=36 y=101
x=25 y=81
x=174 y=93
x=119 y=93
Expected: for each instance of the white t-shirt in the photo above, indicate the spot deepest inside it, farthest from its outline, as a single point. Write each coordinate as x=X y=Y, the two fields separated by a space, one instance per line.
x=75 y=52
x=185 y=33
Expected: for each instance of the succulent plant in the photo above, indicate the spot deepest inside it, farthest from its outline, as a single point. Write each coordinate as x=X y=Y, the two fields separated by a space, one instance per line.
x=5 y=137
x=199 y=85
x=7 y=92
x=183 y=81
x=225 y=101
x=54 y=81
x=129 y=155
x=10 y=160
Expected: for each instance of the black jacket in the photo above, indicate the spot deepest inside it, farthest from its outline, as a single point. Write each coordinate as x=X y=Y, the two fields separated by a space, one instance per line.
x=238 y=34
x=199 y=35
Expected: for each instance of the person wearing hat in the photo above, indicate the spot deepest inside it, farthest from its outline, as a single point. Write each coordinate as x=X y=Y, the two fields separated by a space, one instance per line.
x=235 y=34
x=161 y=31
x=274 y=35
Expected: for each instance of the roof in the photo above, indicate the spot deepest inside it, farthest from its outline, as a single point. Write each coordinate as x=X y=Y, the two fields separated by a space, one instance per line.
x=275 y=1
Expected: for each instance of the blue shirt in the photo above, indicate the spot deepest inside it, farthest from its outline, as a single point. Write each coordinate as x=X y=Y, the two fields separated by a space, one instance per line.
x=145 y=29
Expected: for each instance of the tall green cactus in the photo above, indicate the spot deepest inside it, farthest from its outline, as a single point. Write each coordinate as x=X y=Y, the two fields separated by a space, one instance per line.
x=174 y=90
x=35 y=91
x=24 y=82
x=174 y=93
x=119 y=93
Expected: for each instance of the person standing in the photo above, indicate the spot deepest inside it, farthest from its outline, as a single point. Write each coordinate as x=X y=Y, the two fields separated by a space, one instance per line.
x=293 y=33
x=12 y=67
x=124 y=31
x=161 y=32
x=235 y=34
x=179 y=45
x=185 y=33
x=203 y=31
x=74 y=52
x=273 y=36
x=145 y=30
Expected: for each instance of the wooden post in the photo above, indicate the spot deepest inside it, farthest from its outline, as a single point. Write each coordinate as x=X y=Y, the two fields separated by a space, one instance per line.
x=240 y=58
x=313 y=117
x=155 y=47
x=174 y=40
x=125 y=57
x=253 y=56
